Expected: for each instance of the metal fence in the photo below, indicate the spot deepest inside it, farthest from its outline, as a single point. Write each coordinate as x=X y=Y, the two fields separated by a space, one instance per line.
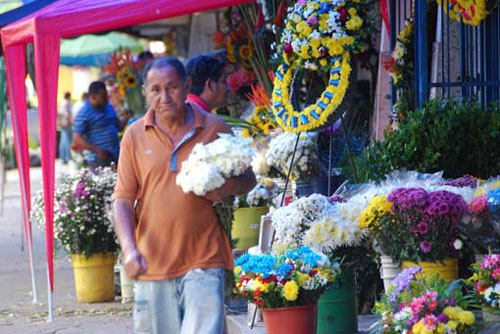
x=452 y=59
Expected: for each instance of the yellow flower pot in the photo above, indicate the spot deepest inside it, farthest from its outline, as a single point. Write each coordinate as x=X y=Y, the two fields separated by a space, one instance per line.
x=447 y=269
x=94 y=277
x=246 y=226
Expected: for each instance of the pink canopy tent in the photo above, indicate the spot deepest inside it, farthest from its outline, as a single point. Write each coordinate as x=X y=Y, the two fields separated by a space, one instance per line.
x=45 y=28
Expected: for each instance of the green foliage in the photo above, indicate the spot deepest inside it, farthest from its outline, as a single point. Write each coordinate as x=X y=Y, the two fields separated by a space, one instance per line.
x=458 y=138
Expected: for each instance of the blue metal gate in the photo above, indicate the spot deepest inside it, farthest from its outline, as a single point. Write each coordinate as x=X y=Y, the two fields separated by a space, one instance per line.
x=465 y=57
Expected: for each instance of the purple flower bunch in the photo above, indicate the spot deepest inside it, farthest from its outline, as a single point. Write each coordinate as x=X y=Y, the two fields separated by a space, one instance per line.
x=429 y=222
x=402 y=281
x=462 y=182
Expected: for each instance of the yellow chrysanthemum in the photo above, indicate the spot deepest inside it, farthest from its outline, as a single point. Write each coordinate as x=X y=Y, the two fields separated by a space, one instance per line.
x=354 y=23
x=300 y=26
x=291 y=291
x=452 y=324
x=352 y=11
x=257 y=284
x=304 y=52
x=378 y=205
x=302 y=278
x=246 y=133
x=323 y=62
x=466 y=317
x=315 y=42
x=237 y=270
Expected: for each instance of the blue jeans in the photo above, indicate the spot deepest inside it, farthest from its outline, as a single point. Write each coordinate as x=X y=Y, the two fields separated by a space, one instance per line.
x=64 y=145
x=190 y=304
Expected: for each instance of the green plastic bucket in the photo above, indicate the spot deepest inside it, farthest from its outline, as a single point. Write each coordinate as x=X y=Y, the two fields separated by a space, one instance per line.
x=337 y=309
x=246 y=226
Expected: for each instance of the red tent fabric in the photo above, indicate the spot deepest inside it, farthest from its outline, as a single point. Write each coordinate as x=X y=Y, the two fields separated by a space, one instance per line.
x=45 y=28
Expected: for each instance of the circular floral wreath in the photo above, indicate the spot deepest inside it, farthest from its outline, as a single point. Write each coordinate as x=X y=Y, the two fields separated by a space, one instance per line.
x=319 y=35
x=471 y=12
x=314 y=115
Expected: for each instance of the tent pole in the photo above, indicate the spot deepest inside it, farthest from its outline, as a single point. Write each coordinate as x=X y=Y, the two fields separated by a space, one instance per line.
x=29 y=240
x=50 y=296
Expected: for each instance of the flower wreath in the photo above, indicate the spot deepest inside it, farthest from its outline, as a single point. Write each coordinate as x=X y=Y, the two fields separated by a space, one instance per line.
x=319 y=35
x=316 y=114
x=471 y=12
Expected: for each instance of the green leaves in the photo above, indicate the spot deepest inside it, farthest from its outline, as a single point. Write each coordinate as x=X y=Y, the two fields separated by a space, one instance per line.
x=458 y=138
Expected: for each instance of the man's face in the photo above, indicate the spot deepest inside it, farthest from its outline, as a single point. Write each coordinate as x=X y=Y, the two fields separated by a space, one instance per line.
x=220 y=91
x=100 y=99
x=165 y=91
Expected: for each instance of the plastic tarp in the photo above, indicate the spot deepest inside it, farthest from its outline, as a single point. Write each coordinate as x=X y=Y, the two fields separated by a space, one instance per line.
x=45 y=28
x=98 y=44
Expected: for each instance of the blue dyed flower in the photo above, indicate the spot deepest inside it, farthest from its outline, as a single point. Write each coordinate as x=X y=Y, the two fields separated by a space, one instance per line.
x=284 y=269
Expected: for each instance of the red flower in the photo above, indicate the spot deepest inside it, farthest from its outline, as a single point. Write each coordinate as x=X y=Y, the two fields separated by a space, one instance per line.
x=343 y=14
x=288 y=48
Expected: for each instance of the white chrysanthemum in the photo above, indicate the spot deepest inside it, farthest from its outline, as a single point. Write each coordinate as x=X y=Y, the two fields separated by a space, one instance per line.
x=281 y=148
x=458 y=244
x=207 y=166
x=292 y=221
x=257 y=194
x=259 y=164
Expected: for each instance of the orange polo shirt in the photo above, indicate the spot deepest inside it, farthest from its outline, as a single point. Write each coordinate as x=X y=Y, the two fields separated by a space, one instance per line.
x=174 y=231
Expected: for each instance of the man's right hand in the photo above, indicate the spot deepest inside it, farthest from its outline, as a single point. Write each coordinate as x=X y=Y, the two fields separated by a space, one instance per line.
x=103 y=155
x=135 y=264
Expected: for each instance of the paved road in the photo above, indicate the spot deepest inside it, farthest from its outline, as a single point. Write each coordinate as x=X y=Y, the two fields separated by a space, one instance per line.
x=18 y=314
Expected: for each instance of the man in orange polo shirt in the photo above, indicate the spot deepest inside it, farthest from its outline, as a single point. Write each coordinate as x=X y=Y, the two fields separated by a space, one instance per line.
x=171 y=241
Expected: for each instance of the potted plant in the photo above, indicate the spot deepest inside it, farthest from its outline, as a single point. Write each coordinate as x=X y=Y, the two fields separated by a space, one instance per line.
x=421 y=306
x=485 y=284
x=329 y=225
x=83 y=227
x=248 y=210
x=286 y=287
x=422 y=229
x=370 y=219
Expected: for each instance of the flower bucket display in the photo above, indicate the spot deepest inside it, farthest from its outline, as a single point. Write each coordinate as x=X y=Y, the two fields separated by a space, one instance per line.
x=94 y=277
x=290 y=320
x=485 y=286
x=337 y=309
x=447 y=269
x=424 y=305
x=246 y=226
x=388 y=271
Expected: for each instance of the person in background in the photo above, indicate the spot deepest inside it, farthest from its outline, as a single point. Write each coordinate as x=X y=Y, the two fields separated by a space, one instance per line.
x=96 y=128
x=64 y=122
x=172 y=242
x=209 y=87
x=79 y=104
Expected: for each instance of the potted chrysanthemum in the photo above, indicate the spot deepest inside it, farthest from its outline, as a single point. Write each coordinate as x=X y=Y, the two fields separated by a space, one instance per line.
x=422 y=229
x=82 y=226
x=286 y=287
x=248 y=210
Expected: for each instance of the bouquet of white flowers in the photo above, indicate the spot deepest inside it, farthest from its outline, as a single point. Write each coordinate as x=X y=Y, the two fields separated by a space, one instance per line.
x=280 y=154
x=209 y=165
x=292 y=221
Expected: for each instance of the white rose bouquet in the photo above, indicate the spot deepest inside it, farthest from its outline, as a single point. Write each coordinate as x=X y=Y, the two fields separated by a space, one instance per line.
x=209 y=165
